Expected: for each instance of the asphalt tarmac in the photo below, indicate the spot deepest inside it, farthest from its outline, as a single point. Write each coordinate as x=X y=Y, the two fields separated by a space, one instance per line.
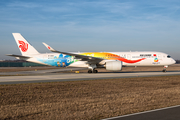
x=54 y=77
x=38 y=72
x=169 y=113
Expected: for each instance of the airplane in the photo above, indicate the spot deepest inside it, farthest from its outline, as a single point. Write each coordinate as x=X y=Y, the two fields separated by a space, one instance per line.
x=113 y=61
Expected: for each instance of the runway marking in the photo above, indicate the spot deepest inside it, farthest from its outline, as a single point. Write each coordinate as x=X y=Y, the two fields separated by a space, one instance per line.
x=142 y=112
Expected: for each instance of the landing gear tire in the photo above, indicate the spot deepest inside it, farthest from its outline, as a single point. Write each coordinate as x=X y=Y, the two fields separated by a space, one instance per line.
x=164 y=70
x=95 y=71
x=89 y=71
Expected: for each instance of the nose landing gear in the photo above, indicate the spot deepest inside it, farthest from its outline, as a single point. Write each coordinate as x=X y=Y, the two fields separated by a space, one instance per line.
x=164 y=70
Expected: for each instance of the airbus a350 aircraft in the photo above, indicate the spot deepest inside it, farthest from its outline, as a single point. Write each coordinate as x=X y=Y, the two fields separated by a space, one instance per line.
x=110 y=60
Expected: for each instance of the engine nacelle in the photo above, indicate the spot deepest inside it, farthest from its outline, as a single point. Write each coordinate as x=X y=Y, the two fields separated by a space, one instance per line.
x=114 y=65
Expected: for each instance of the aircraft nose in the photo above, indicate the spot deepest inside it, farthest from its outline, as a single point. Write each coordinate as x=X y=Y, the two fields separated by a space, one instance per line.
x=173 y=61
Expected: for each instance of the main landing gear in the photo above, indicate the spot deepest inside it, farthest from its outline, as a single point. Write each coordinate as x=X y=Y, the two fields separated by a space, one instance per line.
x=164 y=70
x=92 y=68
x=93 y=71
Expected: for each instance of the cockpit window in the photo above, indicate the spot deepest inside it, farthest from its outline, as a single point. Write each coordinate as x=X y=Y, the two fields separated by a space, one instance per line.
x=168 y=56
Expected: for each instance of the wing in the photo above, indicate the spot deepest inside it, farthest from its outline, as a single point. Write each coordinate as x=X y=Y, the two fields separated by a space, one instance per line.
x=77 y=56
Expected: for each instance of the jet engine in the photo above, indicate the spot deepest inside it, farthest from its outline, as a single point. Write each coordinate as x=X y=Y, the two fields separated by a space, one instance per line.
x=114 y=65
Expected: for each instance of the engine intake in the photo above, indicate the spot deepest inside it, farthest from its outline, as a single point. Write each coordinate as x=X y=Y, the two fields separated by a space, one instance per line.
x=114 y=65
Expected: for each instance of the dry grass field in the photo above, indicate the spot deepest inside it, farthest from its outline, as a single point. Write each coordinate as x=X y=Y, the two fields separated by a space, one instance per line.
x=87 y=100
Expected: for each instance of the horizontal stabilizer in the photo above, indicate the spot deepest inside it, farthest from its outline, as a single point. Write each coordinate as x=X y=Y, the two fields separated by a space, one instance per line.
x=20 y=56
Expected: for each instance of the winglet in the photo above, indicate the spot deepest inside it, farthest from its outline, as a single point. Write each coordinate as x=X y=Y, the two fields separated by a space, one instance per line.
x=48 y=47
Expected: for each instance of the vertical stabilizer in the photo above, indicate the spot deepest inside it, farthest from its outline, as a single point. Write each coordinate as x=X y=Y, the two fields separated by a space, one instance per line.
x=23 y=45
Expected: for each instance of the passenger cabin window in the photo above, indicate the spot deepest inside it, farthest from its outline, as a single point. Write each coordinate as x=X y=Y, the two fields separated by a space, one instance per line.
x=168 y=56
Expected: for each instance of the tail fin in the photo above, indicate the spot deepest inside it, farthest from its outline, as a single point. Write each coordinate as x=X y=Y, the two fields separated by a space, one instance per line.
x=25 y=48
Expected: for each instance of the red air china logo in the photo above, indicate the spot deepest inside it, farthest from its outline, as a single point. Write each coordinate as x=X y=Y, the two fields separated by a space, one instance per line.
x=49 y=47
x=23 y=46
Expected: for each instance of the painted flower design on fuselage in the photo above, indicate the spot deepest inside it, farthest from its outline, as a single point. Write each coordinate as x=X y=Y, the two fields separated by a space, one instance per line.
x=60 y=60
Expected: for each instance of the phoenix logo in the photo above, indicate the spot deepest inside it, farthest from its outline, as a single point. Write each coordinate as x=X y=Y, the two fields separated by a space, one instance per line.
x=49 y=47
x=23 y=46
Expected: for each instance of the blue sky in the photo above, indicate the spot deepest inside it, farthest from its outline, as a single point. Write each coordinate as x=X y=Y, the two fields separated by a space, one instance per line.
x=92 y=25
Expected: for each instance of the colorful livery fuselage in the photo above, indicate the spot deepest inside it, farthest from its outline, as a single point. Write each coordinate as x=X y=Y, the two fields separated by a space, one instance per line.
x=92 y=60
x=127 y=58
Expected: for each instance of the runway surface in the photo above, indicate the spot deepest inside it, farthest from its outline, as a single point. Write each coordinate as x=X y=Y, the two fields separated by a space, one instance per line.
x=54 y=77
x=33 y=72
x=169 y=113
